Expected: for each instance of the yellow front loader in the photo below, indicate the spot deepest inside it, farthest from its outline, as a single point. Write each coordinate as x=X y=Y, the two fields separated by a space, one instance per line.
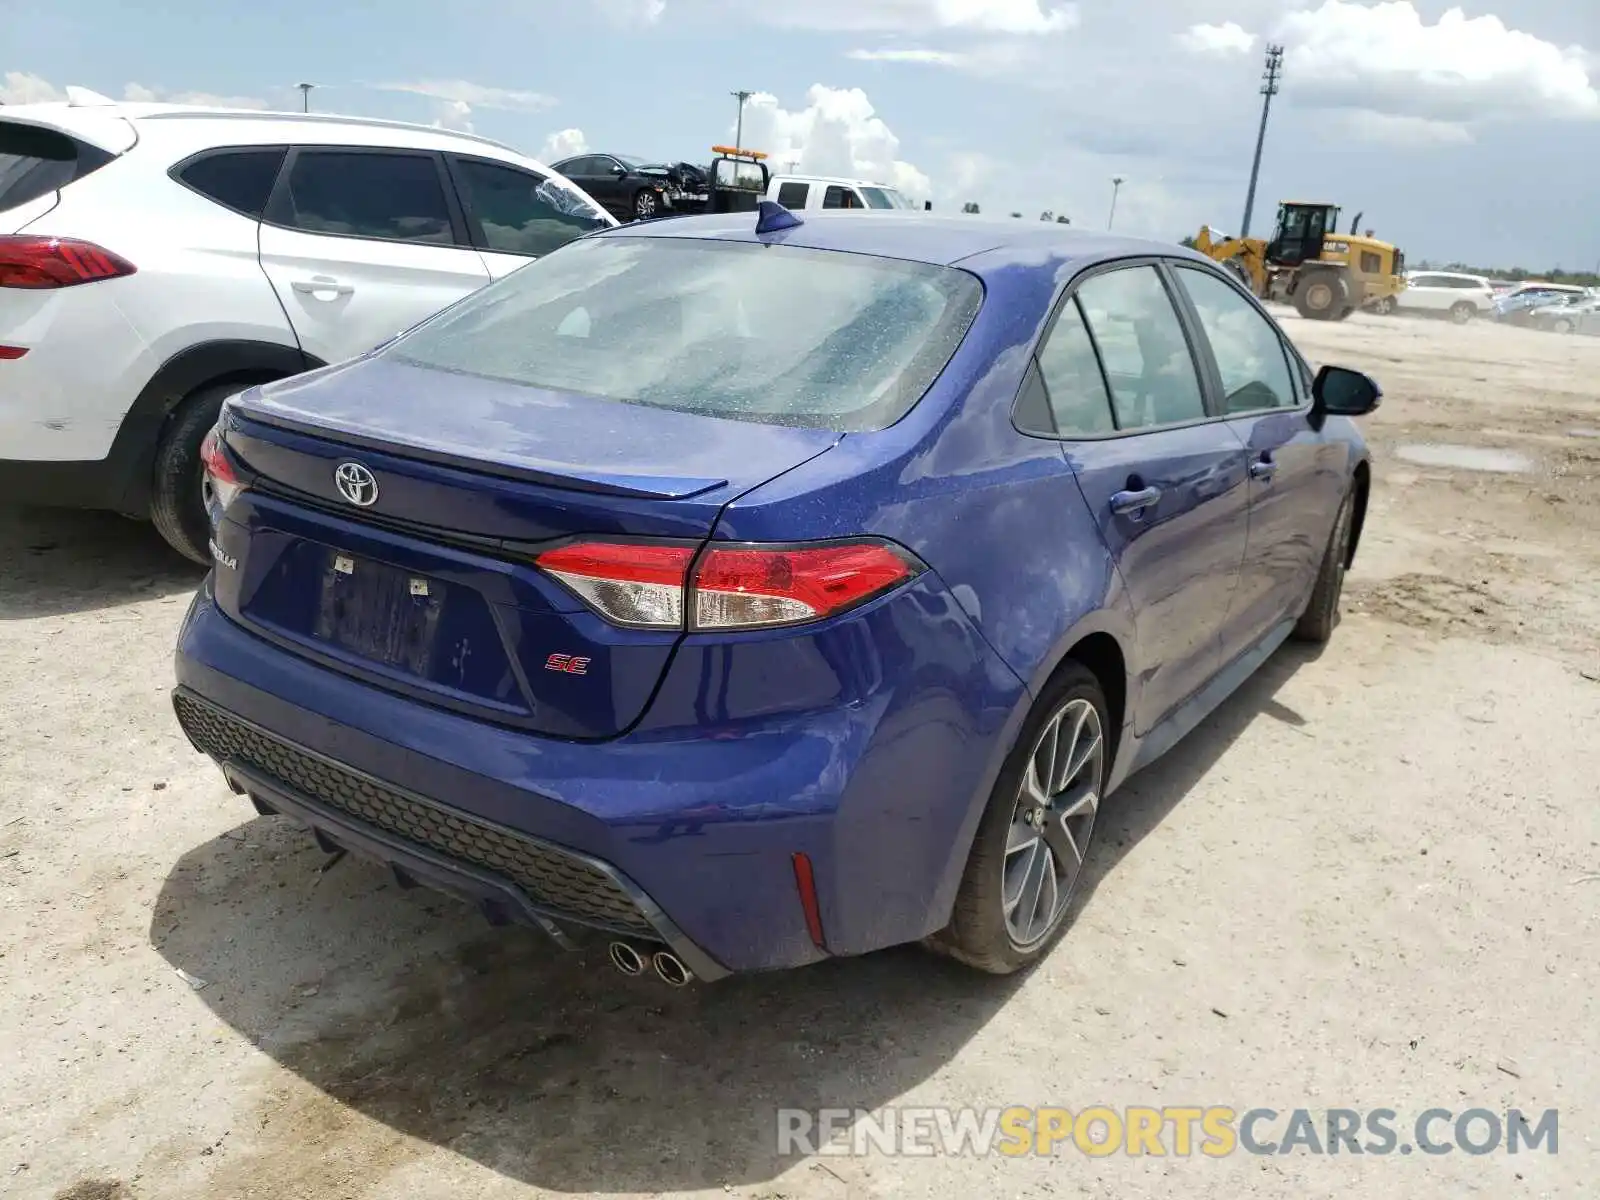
x=1307 y=262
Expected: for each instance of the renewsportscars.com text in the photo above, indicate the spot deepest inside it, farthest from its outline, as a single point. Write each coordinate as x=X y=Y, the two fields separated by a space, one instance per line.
x=1213 y=1132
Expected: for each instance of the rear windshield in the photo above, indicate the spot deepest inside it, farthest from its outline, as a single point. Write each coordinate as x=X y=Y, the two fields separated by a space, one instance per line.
x=35 y=162
x=774 y=334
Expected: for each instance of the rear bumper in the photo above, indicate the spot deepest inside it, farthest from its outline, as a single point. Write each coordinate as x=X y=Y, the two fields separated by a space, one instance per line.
x=101 y=484
x=695 y=825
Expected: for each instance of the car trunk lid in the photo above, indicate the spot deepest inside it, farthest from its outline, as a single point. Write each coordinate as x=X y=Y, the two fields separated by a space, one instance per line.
x=422 y=579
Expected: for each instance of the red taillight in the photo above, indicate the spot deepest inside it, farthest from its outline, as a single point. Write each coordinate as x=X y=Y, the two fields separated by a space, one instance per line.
x=635 y=584
x=644 y=585
x=48 y=262
x=12 y=353
x=748 y=587
x=220 y=476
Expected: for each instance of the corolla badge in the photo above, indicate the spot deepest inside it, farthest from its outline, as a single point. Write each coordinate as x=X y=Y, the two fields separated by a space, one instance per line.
x=356 y=484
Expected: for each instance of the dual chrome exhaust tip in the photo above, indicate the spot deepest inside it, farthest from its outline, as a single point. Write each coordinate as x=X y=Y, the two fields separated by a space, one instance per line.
x=632 y=960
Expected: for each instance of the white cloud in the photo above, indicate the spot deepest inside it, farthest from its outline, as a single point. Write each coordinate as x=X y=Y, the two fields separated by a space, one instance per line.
x=1385 y=58
x=942 y=58
x=138 y=93
x=20 y=87
x=564 y=143
x=1386 y=129
x=1227 y=38
x=914 y=16
x=837 y=133
x=455 y=99
x=474 y=95
x=626 y=14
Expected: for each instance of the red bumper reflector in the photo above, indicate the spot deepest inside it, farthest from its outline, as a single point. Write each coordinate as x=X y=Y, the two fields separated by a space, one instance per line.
x=806 y=883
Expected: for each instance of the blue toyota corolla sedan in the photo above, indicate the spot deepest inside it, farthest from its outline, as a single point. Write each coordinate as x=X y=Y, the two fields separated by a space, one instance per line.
x=742 y=591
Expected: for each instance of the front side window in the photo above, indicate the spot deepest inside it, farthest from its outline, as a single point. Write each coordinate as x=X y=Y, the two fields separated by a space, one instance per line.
x=1148 y=364
x=1079 y=402
x=877 y=197
x=520 y=213
x=774 y=334
x=1246 y=345
x=396 y=197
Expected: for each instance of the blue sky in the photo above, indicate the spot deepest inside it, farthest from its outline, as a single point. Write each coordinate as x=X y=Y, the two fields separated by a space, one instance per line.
x=1471 y=135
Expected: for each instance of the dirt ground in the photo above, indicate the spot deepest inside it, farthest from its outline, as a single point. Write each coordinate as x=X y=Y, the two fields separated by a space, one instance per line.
x=1370 y=880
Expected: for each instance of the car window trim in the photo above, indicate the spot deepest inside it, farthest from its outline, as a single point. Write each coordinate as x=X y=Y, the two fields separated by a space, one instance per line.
x=175 y=173
x=1300 y=405
x=276 y=210
x=1070 y=291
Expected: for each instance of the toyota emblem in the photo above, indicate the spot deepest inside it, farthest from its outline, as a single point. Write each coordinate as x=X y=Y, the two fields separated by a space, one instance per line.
x=356 y=484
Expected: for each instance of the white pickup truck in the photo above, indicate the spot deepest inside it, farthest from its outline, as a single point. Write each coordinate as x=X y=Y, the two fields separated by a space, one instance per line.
x=807 y=193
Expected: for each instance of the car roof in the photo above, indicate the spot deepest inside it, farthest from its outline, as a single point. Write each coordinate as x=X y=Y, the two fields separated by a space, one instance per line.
x=978 y=243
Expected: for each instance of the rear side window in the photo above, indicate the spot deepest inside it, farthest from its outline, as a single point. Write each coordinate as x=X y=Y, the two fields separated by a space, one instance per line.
x=793 y=195
x=774 y=334
x=1079 y=403
x=238 y=179
x=520 y=213
x=395 y=197
x=1142 y=345
x=840 y=197
x=35 y=162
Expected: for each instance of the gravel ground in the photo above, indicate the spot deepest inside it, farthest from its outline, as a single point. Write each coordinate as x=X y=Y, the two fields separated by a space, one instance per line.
x=1369 y=880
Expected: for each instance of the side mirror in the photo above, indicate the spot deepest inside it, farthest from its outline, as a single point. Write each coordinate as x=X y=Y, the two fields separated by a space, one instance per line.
x=1341 y=392
x=619 y=170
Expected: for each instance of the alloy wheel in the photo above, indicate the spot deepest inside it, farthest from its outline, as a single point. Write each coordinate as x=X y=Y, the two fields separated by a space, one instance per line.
x=644 y=205
x=1051 y=822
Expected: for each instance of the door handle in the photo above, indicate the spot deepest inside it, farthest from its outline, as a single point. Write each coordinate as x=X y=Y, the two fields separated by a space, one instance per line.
x=1123 y=503
x=319 y=284
x=1263 y=470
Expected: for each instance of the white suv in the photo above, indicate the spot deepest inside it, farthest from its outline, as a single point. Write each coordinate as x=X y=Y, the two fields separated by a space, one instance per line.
x=1447 y=294
x=155 y=259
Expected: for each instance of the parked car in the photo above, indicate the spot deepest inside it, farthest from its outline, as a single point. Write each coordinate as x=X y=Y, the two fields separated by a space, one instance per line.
x=1446 y=294
x=755 y=590
x=156 y=259
x=1515 y=306
x=1581 y=314
x=800 y=193
x=633 y=189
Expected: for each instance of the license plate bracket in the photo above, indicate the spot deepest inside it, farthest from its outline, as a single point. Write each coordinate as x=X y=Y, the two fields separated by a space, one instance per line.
x=379 y=612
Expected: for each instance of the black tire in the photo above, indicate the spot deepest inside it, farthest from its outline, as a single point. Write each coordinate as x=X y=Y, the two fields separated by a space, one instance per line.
x=1462 y=312
x=977 y=934
x=646 y=205
x=1321 y=295
x=177 y=501
x=1321 y=616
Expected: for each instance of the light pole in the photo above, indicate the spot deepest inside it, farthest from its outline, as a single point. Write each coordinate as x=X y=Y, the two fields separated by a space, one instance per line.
x=738 y=128
x=1116 y=186
x=1269 y=88
x=305 y=96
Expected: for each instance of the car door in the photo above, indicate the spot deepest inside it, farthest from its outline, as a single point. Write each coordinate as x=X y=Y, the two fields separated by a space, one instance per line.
x=514 y=215
x=360 y=244
x=1295 y=474
x=1165 y=481
x=1422 y=292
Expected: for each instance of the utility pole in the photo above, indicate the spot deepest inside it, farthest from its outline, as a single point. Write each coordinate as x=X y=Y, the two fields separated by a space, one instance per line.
x=1116 y=186
x=738 y=128
x=305 y=96
x=1270 y=79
